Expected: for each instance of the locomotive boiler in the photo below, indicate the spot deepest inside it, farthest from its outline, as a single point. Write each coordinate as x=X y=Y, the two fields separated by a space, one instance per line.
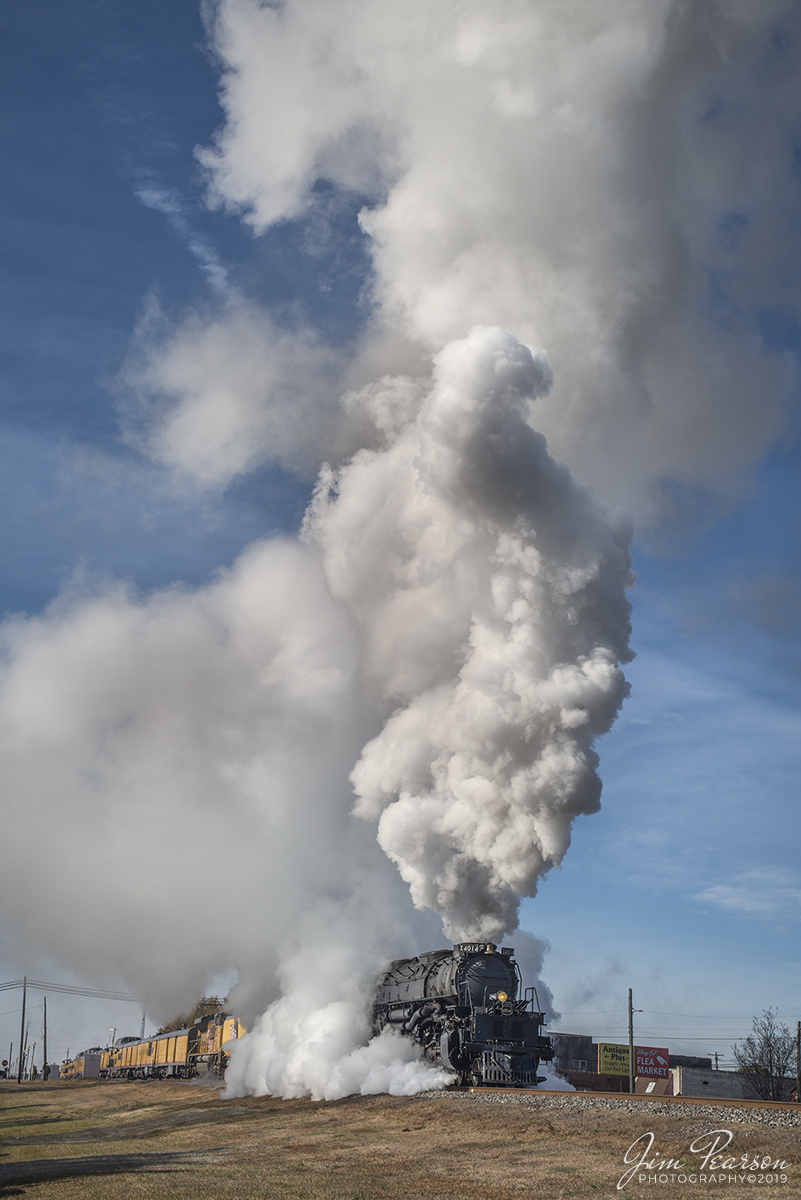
x=467 y=1009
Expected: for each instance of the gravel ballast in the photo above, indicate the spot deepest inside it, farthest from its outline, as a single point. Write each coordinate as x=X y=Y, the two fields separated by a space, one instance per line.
x=572 y=1102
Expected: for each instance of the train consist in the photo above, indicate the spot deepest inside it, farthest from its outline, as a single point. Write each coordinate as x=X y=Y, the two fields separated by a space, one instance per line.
x=465 y=1009
x=179 y=1054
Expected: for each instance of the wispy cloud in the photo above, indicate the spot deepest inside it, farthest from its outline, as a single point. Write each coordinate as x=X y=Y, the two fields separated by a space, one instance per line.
x=761 y=895
x=167 y=202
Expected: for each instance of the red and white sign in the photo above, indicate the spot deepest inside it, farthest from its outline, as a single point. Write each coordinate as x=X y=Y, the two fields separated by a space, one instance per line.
x=651 y=1062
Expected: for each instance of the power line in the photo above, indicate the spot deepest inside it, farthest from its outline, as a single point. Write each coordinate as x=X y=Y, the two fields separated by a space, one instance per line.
x=598 y=1013
x=655 y=1012
x=698 y=1035
x=69 y=990
x=652 y=1033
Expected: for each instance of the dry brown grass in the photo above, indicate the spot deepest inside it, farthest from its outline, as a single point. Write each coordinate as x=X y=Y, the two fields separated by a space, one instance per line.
x=89 y=1140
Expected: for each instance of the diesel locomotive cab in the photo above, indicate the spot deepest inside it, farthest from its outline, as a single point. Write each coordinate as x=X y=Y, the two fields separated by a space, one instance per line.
x=465 y=1009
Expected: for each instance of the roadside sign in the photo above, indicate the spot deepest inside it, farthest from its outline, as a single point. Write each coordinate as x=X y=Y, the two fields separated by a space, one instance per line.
x=612 y=1059
x=652 y=1062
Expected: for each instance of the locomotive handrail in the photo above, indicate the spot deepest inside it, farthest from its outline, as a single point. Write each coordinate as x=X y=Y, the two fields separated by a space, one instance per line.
x=531 y=996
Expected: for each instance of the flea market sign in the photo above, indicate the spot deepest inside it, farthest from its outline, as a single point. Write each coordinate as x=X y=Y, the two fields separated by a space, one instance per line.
x=651 y=1062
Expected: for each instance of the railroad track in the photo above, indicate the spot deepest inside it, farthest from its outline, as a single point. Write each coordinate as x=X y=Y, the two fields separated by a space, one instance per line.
x=718 y=1101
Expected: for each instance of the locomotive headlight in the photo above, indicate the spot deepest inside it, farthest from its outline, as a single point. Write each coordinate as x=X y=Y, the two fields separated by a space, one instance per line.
x=502 y=997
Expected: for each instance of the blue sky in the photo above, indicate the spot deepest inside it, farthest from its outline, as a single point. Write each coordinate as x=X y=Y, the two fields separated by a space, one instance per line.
x=686 y=886
x=102 y=100
x=687 y=880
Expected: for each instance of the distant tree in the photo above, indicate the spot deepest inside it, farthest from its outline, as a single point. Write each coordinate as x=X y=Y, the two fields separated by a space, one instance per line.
x=205 y=1007
x=764 y=1057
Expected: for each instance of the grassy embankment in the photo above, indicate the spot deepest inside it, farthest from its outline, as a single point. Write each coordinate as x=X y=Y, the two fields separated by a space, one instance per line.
x=87 y=1140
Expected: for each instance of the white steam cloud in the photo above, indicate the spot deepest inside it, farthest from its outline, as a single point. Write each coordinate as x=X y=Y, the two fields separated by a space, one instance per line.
x=217 y=396
x=490 y=589
x=612 y=182
x=316 y=1040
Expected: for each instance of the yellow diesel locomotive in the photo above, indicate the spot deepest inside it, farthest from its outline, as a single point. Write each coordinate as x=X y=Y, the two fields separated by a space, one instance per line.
x=177 y=1054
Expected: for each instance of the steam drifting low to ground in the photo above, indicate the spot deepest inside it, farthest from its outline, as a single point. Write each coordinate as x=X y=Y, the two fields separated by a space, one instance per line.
x=444 y=638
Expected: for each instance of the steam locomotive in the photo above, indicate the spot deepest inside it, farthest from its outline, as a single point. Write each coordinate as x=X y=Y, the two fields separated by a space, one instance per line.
x=464 y=1007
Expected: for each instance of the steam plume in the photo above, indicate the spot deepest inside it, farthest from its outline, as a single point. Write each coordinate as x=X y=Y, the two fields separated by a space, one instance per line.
x=490 y=590
x=612 y=181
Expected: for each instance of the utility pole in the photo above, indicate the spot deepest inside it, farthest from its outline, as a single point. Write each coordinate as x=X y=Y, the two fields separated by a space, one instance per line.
x=25 y=1049
x=631 y=1046
x=798 y=1062
x=22 y=1026
x=45 y=1073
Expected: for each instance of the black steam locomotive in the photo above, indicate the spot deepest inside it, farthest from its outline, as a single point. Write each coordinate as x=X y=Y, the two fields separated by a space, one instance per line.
x=463 y=1006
